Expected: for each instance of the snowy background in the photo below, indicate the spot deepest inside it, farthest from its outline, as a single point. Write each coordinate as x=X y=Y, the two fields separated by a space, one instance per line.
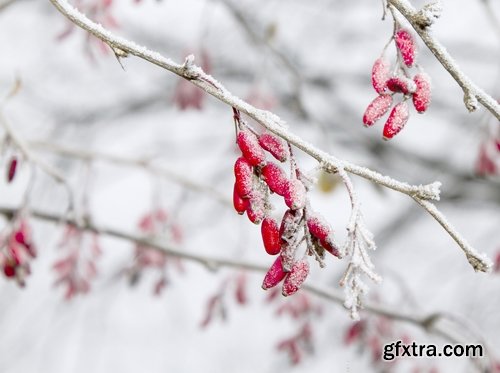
x=76 y=95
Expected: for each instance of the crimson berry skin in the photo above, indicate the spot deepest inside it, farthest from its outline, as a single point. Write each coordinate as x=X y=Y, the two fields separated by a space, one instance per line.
x=250 y=148
x=240 y=204
x=274 y=275
x=396 y=121
x=296 y=277
x=422 y=96
x=275 y=178
x=271 y=236
x=244 y=177
x=377 y=109
x=274 y=145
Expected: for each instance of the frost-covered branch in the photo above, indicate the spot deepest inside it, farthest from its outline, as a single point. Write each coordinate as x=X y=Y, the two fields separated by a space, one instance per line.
x=188 y=70
x=421 y=21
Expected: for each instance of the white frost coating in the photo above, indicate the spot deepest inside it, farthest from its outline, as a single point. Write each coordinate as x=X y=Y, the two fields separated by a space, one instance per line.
x=430 y=13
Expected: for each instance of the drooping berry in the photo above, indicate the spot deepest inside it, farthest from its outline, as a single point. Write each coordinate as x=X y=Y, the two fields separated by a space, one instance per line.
x=9 y=270
x=274 y=275
x=271 y=236
x=250 y=148
x=295 y=194
x=318 y=226
x=401 y=84
x=406 y=45
x=422 y=95
x=396 y=121
x=240 y=204
x=274 y=145
x=380 y=75
x=329 y=246
x=12 y=169
x=296 y=277
x=275 y=178
x=244 y=177
x=376 y=110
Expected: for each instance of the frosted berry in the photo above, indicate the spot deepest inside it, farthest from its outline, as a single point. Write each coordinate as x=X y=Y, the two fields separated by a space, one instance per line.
x=401 y=84
x=422 y=95
x=406 y=45
x=318 y=227
x=295 y=194
x=396 y=121
x=377 y=108
x=244 y=177
x=271 y=236
x=329 y=246
x=12 y=169
x=250 y=148
x=296 y=277
x=274 y=275
x=274 y=145
x=275 y=178
x=240 y=204
x=256 y=207
x=380 y=75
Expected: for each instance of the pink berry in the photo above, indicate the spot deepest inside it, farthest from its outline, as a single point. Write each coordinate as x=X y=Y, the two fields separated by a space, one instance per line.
x=250 y=148
x=244 y=177
x=396 y=121
x=376 y=110
x=275 y=178
x=406 y=45
x=240 y=204
x=296 y=277
x=318 y=227
x=12 y=169
x=271 y=236
x=274 y=275
x=401 y=84
x=380 y=75
x=422 y=96
x=274 y=145
x=9 y=270
x=295 y=194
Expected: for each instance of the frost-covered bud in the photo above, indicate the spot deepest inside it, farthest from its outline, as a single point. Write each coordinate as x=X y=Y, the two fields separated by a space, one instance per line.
x=295 y=194
x=250 y=148
x=274 y=275
x=11 y=172
x=376 y=110
x=256 y=207
x=318 y=226
x=296 y=277
x=380 y=75
x=401 y=84
x=271 y=236
x=407 y=46
x=275 y=178
x=422 y=96
x=244 y=177
x=396 y=121
x=274 y=145
x=240 y=204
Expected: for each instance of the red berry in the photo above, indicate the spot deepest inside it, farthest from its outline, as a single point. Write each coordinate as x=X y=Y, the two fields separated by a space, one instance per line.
x=274 y=275
x=12 y=169
x=318 y=227
x=244 y=177
x=296 y=277
x=380 y=75
x=329 y=246
x=422 y=96
x=271 y=236
x=295 y=194
x=406 y=45
x=274 y=145
x=19 y=237
x=9 y=271
x=376 y=110
x=275 y=178
x=250 y=148
x=396 y=121
x=240 y=204
x=401 y=84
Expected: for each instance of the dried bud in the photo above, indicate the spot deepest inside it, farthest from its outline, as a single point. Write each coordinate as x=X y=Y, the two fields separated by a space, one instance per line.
x=274 y=275
x=396 y=121
x=422 y=96
x=274 y=145
x=275 y=178
x=240 y=204
x=401 y=84
x=296 y=277
x=295 y=194
x=271 y=236
x=244 y=177
x=250 y=148
x=380 y=75
x=377 y=108
x=406 y=45
x=318 y=227
x=12 y=169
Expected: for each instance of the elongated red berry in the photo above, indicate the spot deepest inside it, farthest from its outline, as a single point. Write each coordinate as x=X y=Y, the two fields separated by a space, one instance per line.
x=407 y=46
x=275 y=178
x=401 y=84
x=250 y=148
x=240 y=204
x=244 y=177
x=274 y=275
x=396 y=121
x=296 y=277
x=295 y=194
x=380 y=75
x=318 y=226
x=329 y=246
x=376 y=110
x=274 y=145
x=422 y=96
x=9 y=271
x=270 y=236
x=12 y=169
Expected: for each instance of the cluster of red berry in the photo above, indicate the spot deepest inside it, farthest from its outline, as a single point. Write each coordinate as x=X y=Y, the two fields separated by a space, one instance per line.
x=256 y=179
x=387 y=84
